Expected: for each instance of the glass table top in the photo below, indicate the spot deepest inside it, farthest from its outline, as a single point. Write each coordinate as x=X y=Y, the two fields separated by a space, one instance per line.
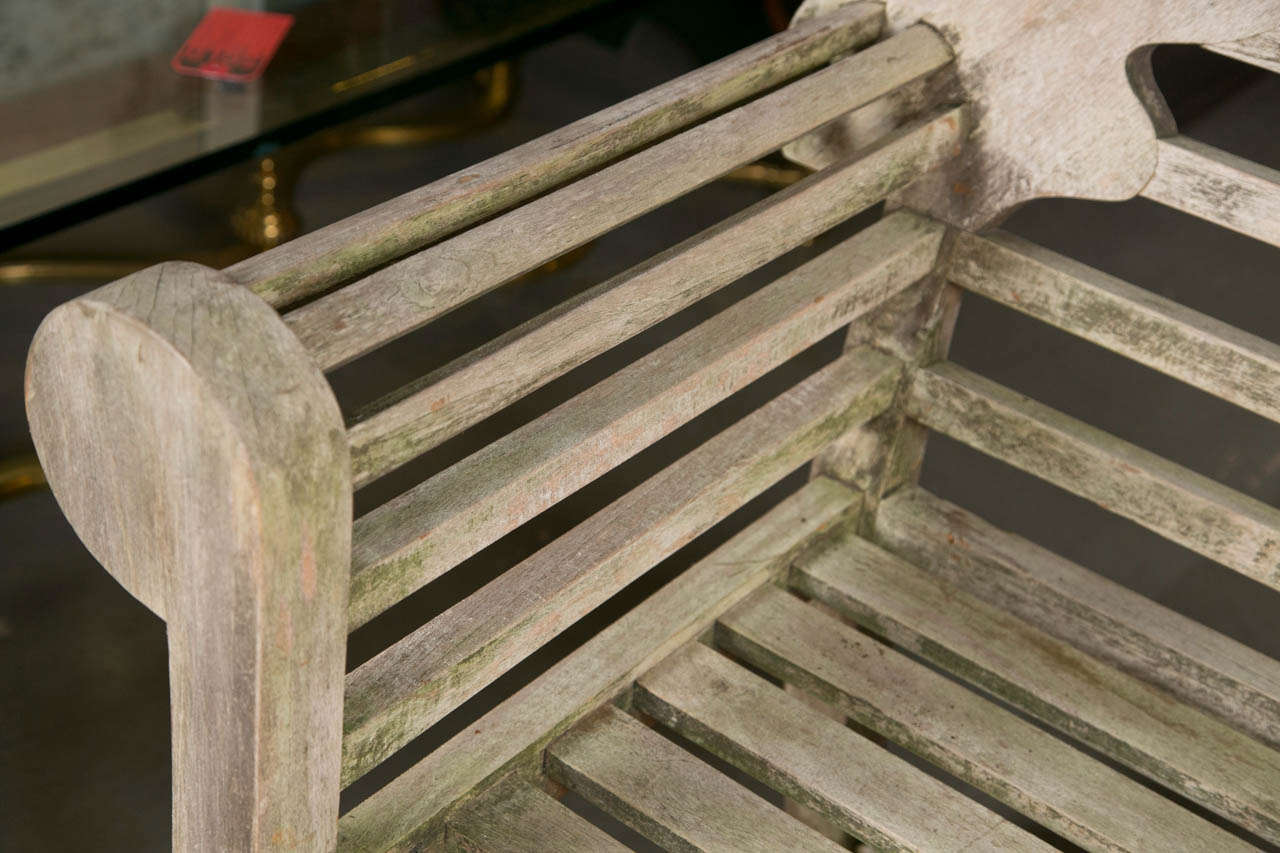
x=90 y=110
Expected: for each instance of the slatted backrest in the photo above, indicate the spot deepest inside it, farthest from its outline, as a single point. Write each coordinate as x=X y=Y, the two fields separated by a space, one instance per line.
x=191 y=437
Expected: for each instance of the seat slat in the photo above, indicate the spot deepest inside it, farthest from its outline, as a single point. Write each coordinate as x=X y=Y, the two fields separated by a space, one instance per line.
x=396 y=695
x=816 y=761
x=1199 y=350
x=991 y=748
x=399 y=298
x=462 y=393
x=1192 y=753
x=1192 y=510
x=413 y=805
x=666 y=794
x=515 y=817
x=316 y=261
x=416 y=537
x=1225 y=189
x=1093 y=613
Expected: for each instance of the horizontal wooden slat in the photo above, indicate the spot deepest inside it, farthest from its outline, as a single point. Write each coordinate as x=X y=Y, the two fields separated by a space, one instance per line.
x=667 y=795
x=1033 y=772
x=475 y=386
x=401 y=297
x=1194 y=511
x=1199 y=350
x=1225 y=189
x=1190 y=752
x=412 y=808
x=396 y=695
x=1262 y=50
x=1092 y=613
x=422 y=533
x=815 y=760
x=330 y=255
x=515 y=817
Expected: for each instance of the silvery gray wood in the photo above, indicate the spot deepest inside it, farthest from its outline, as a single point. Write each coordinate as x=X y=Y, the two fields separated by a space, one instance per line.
x=399 y=298
x=1087 y=610
x=201 y=457
x=412 y=809
x=855 y=130
x=616 y=762
x=780 y=740
x=516 y=817
x=1199 y=350
x=1181 y=505
x=328 y=256
x=1053 y=89
x=407 y=542
x=396 y=695
x=1150 y=731
x=1033 y=772
x=443 y=403
x=1225 y=189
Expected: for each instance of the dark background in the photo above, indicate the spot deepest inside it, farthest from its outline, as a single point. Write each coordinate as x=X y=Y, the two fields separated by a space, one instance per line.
x=84 y=758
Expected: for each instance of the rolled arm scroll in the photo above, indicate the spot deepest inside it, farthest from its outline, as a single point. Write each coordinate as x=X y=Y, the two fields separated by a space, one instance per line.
x=202 y=458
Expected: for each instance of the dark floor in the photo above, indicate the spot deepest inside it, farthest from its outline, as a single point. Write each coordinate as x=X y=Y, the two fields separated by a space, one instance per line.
x=83 y=700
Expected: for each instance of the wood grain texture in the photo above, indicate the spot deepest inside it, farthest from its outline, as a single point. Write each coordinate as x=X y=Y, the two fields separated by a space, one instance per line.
x=1020 y=66
x=1201 y=351
x=861 y=128
x=1092 y=613
x=333 y=254
x=410 y=293
x=412 y=809
x=666 y=794
x=914 y=326
x=419 y=535
x=991 y=748
x=1225 y=189
x=1185 y=507
x=516 y=817
x=443 y=403
x=1262 y=50
x=1150 y=731
x=201 y=457
x=780 y=740
x=396 y=695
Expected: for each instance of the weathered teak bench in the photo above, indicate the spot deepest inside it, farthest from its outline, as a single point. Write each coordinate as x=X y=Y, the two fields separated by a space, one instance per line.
x=190 y=435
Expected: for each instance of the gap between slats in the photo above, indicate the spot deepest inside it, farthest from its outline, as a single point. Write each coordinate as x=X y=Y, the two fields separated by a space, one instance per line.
x=513 y=816
x=396 y=695
x=315 y=262
x=404 y=544
x=1181 y=505
x=1203 y=352
x=412 y=808
x=399 y=298
x=958 y=730
x=1152 y=732
x=789 y=746
x=484 y=381
x=1085 y=609
x=666 y=794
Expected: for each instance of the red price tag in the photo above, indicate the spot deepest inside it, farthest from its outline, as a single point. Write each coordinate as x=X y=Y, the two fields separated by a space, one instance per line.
x=232 y=44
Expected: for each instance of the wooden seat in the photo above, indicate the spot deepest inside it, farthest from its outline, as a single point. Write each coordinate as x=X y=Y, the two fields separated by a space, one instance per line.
x=863 y=654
